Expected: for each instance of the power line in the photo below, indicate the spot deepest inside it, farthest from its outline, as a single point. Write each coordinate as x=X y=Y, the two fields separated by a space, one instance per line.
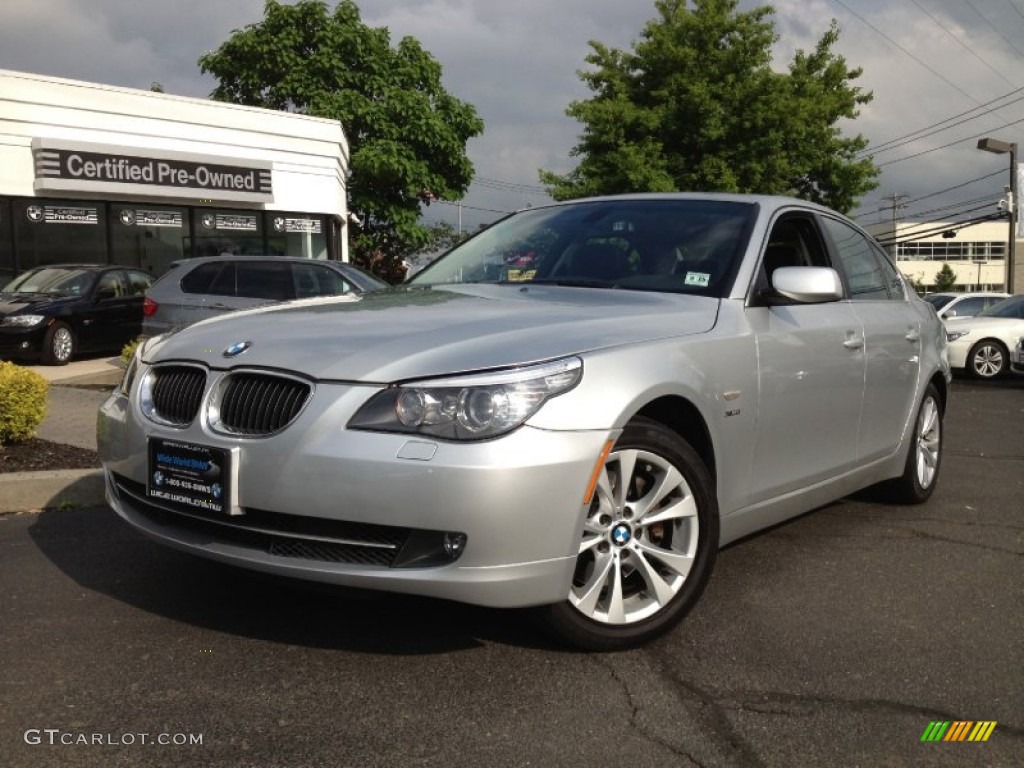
x=938 y=74
x=961 y=43
x=951 y=144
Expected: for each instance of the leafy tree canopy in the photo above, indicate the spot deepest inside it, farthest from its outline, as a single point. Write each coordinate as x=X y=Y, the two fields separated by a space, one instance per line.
x=407 y=135
x=696 y=105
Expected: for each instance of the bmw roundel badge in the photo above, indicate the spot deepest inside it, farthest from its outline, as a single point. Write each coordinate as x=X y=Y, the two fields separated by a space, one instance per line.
x=237 y=348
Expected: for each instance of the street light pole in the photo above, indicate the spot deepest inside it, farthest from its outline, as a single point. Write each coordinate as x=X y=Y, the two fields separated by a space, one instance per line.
x=1002 y=148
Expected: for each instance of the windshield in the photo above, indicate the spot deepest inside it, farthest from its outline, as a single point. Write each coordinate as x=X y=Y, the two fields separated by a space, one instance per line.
x=938 y=300
x=53 y=282
x=683 y=246
x=1011 y=307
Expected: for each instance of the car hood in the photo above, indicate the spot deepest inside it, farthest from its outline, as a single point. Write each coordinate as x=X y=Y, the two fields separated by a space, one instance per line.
x=26 y=303
x=412 y=333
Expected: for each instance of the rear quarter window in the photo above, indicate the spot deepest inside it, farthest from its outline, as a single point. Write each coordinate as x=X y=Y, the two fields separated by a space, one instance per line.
x=200 y=279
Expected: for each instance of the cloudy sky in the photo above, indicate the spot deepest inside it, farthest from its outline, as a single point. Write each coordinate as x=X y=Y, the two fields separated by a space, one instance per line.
x=953 y=67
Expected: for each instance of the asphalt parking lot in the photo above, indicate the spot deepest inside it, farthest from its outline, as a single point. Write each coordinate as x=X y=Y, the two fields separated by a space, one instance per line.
x=835 y=639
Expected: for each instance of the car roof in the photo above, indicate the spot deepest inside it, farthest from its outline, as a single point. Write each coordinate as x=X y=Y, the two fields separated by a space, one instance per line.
x=770 y=202
x=255 y=257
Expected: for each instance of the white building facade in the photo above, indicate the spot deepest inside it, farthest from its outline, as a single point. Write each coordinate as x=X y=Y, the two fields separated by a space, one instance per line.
x=93 y=173
x=977 y=253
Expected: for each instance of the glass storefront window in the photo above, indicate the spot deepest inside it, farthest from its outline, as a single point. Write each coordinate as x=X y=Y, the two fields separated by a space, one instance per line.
x=6 y=252
x=226 y=231
x=148 y=237
x=297 y=234
x=59 y=232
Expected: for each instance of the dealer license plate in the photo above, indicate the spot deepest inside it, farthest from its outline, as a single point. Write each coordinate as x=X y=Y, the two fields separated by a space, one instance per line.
x=196 y=478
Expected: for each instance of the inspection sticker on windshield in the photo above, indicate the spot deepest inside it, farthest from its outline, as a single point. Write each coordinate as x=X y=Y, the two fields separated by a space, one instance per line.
x=698 y=278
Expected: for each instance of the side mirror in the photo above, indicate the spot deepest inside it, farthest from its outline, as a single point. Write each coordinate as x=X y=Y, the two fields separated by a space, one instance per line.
x=808 y=285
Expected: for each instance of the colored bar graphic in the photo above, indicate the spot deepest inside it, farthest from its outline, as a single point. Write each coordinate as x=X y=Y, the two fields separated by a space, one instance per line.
x=935 y=730
x=958 y=730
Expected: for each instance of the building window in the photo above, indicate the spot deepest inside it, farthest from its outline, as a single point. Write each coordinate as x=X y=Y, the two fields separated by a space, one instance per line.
x=943 y=251
x=220 y=230
x=6 y=247
x=59 y=232
x=148 y=237
x=297 y=234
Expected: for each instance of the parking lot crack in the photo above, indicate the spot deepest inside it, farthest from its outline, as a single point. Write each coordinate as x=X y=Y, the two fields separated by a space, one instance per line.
x=634 y=715
x=710 y=715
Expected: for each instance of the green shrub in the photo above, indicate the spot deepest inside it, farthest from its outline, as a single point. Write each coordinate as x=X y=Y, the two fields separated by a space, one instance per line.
x=128 y=352
x=23 y=396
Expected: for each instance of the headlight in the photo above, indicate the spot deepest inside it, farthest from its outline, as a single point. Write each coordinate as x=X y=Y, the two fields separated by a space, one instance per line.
x=125 y=387
x=472 y=407
x=954 y=335
x=22 y=321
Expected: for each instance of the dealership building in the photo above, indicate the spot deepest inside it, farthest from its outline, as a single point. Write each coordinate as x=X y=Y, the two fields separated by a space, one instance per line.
x=99 y=174
x=977 y=253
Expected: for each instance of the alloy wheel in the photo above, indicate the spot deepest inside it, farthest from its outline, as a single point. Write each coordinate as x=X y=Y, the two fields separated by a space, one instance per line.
x=929 y=436
x=639 y=539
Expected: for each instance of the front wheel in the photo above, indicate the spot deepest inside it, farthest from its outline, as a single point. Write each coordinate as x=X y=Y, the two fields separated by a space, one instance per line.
x=58 y=344
x=648 y=544
x=987 y=359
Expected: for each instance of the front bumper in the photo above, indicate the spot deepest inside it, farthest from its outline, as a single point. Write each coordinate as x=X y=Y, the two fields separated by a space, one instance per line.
x=321 y=502
x=22 y=342
x=1017 y=356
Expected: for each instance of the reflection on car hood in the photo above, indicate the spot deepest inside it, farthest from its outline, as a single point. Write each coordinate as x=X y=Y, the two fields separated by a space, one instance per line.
x=23 y=303
x=404 y=334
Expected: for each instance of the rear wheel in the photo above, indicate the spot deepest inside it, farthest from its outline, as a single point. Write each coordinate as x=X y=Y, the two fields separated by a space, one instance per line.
x=987 y=359
x=58 y=344
x=921 y=471
x=648 y=546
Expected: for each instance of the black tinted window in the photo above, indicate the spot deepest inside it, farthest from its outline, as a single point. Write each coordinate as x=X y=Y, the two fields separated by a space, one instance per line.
x=264 y=280
x=316 y=280
x=199 y=279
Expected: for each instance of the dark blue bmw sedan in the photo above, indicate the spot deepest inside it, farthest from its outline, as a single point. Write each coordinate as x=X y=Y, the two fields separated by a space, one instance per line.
x=54 y=312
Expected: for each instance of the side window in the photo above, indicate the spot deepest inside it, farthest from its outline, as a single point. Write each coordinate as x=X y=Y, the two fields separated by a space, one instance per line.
x=138 y=283
x=794 y=242
x=265 y=280
x=315 y=280
x=199 y=279
x=893 y=278
x=864 y=275
x=968 y=307
x=111 y=285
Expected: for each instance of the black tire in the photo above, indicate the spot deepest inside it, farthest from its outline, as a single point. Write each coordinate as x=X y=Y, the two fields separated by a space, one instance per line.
x=988 y=359
x=924 y=455
x=58 y=344
x=629 y=585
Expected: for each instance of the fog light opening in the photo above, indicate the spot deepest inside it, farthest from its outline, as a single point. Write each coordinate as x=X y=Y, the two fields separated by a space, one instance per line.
x=454 y=543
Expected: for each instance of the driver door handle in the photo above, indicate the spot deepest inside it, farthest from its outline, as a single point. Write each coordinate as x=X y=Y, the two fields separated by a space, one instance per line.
x=853 y=342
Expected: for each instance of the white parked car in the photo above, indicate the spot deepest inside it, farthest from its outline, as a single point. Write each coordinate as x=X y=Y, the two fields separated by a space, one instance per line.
x=981 y=345
x=950 y=305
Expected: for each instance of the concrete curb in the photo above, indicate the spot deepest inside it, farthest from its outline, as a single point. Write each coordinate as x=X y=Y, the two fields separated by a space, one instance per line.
x=25 y=491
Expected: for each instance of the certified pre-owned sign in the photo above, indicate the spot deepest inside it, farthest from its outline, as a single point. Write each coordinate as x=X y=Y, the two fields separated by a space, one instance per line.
x=61 y=166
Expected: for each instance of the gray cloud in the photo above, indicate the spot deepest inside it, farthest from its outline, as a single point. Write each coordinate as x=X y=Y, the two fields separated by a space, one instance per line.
x=517 y=64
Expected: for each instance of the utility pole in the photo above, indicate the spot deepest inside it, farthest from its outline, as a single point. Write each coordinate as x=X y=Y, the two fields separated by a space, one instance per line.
x=895 y=205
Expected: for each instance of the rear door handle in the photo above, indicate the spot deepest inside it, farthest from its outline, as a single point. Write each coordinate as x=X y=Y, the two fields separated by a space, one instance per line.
x=853 y=342
x=913 y=335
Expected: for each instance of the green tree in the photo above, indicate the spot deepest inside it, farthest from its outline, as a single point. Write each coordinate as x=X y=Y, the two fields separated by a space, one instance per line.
x=407 y=134
x=945 y=279
x=696 y=105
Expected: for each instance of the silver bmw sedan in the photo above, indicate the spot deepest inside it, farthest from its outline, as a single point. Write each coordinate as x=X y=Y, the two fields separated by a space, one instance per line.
x=571 y=411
